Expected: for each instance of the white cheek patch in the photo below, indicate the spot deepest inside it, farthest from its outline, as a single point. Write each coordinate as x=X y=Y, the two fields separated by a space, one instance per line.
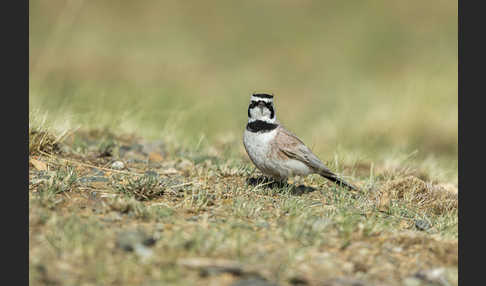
x=266 y=112
x=257 y=114
x=254 y=113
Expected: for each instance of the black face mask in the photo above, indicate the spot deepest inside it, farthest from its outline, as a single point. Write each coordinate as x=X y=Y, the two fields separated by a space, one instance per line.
x=268 y=105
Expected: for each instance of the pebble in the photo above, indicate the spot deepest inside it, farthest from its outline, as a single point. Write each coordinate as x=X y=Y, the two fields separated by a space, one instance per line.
x=117 y=165
x=422 y=225
x=435 y=275
x=136 y=241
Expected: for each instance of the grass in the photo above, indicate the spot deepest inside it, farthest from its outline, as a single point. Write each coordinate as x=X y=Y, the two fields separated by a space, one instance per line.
x=207 y=210
x=371 y=88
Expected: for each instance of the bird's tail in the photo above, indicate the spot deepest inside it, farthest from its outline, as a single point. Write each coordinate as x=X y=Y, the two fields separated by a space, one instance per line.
x=335 y=179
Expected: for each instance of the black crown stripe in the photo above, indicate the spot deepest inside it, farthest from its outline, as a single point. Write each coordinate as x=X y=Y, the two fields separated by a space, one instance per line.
x=262 y=95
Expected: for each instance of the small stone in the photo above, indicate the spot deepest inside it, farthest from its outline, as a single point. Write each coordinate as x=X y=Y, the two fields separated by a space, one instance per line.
x=117 y=165
x=436 y=275
x=422 y=225
x=136 y=241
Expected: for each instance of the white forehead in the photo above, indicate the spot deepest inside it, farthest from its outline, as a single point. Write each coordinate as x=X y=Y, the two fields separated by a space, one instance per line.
x=254 y=98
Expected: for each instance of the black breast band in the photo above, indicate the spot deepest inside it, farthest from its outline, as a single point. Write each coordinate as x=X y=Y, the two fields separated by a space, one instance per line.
x=260 y=126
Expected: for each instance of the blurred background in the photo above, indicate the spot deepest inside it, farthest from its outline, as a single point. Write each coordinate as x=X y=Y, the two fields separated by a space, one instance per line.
x=361 y=79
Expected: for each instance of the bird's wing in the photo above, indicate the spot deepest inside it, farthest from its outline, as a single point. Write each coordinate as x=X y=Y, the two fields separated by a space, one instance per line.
x=293 y=147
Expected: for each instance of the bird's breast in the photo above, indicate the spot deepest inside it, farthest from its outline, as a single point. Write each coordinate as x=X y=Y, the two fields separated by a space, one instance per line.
x=257 y=145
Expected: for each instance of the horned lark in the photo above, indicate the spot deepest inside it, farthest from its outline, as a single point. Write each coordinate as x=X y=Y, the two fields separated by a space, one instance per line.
x=277 y=152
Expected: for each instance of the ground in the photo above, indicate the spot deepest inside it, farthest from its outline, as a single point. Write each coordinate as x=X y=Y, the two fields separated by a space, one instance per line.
x=185 y=217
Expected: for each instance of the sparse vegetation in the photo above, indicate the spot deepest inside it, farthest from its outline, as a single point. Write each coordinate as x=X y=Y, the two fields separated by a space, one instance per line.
x=163 y=88
x=142 y=188
x=388 y=233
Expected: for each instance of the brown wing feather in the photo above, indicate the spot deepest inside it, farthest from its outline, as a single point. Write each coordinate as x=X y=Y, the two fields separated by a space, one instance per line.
x=290 y=146
x=293 y=147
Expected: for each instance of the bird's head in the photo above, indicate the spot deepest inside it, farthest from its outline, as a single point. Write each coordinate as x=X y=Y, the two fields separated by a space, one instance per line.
x=261 y=108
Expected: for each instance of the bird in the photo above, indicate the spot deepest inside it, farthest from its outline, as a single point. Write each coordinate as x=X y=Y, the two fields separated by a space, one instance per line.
x=277 y=152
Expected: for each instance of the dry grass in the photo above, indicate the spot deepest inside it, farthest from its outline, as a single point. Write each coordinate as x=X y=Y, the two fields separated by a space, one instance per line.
x=425 y=196
x=42 y=141
x=211 y=227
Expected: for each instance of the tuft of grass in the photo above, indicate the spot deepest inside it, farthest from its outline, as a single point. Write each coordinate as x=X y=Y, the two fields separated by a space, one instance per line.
x=42 y=141
x=142 y=188
x=426 y=197
x=62 y=181
x=43 y=137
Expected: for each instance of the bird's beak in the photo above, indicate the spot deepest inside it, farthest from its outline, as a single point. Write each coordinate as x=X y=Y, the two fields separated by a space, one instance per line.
x=261 y=104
